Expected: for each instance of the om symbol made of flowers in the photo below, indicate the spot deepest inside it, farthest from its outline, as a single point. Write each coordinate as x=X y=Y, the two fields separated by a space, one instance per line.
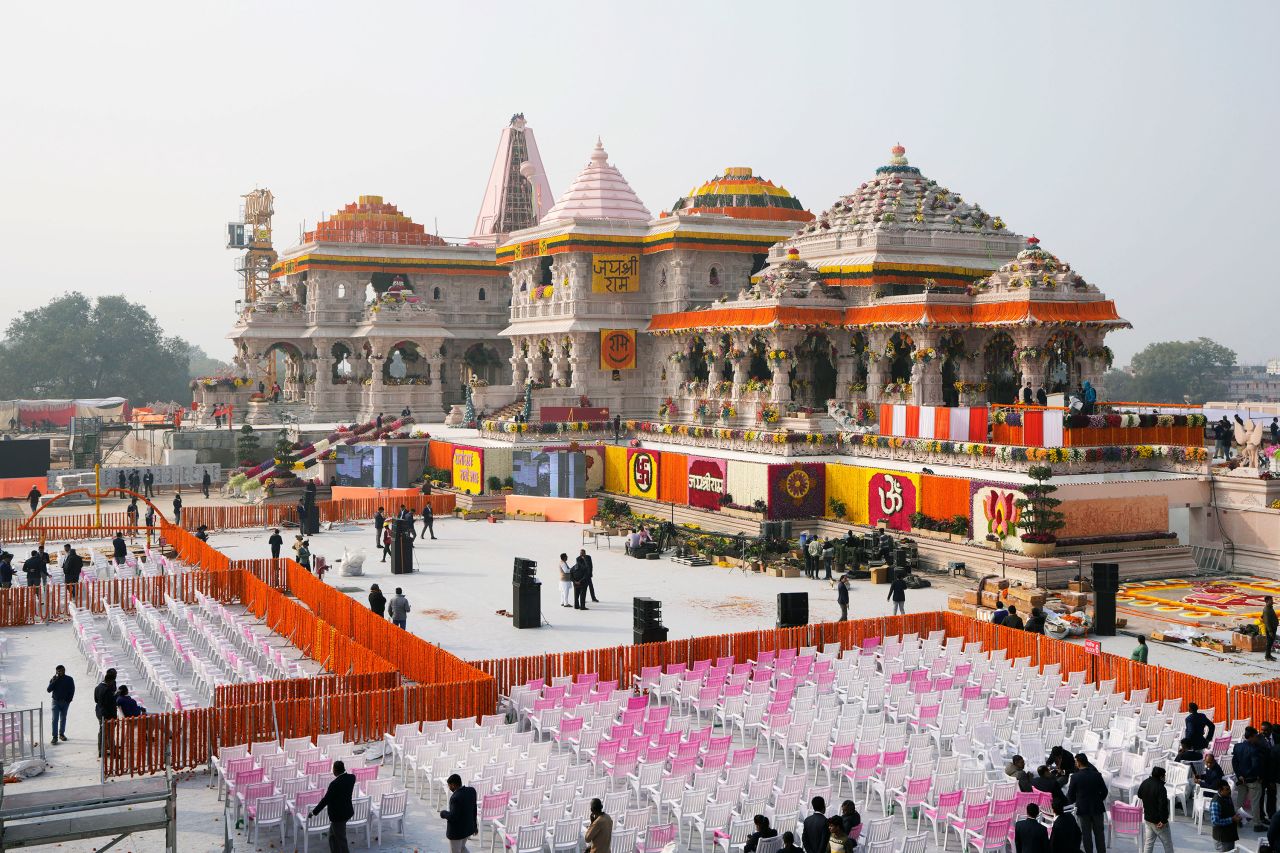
x=891 y=498
x=797 y=484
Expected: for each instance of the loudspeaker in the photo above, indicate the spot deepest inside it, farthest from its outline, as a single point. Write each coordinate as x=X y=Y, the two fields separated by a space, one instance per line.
x=785 y=528
x=1104 y=612
x=526 y=605
x=1106 y=576
x=525 y=571
x=649 y=635
x=771 y=530
x=401 y=547
x=312 y=519
x=793 y=609
x=646 y=613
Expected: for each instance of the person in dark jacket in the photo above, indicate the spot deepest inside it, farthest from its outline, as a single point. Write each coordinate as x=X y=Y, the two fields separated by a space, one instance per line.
x=205 y=482
x=148 y=484
x=377 y=601
x=1155 y=812
x=1212 y=777
x=1013 y=620
x=104 y=702
x=763 y=830
x=6 y=570
x=898 y=595
x=177 y=508
x=814 y=834
x=1248 y=760
x=276 y=541
x=578 y=574
x=1269 y=624
x=33 y=498
x=1029 y=834
x=119 y=550
x=585 y=559
x=1197 y=729
x=128 y=706
x=460 y=817
x=1066 y=835
x=1035 y=622
x=1088 y=792
x=1046 y=782
x=842 y=597
x=849 y=817
x=72 y=565
x=1224 y=820
x=337 y=799
x=36 y=569
x=429 y=524
x=63 y=690
x=379 y=520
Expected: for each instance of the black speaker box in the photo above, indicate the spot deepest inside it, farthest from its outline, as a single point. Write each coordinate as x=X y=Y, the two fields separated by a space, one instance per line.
x=1104 y=612
x=649 y=635
x=526 y=605
x=1106 y=576
x=793 y=609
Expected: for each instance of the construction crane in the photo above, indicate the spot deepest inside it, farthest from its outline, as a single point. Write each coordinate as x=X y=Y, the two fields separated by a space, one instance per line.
x=253 y=235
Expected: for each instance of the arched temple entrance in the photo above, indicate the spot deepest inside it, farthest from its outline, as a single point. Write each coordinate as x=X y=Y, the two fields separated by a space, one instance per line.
x=999 y=370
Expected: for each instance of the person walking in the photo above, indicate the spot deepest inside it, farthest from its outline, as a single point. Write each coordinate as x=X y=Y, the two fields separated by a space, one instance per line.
x=379 y=520
x=460 y=817
x=148 y=484
x=177 y=507
x=566 y=582
x=104 y=704
x=388 y=537
x=814 y=834
x=1029 y=834
x=578 y=574
x=33 y=498
x=1088 y=792
x=205 y=482
x=150 y=518
x=1139 y=652
x=337 y=800
x=1248 y=760
x=119 y=550
x=398 y=609
x=428 y=520
x=1155 y=812
x=72 y=565
x=131 y=513
x=898 y=595
x=1224 y=819
x=304 y=555
x=276 y=541
x=842 y=597
x=1269 y=623
x=63 y=689
x=1197 y=729
x=377 y=601
x=599 y=835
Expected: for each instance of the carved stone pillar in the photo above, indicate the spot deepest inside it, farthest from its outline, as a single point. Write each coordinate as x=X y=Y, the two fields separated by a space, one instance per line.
x=519 y=367
x=926 y=376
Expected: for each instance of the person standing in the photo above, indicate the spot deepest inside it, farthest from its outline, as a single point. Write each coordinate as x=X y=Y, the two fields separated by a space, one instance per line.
x=276 y=541
x=460 y=817
x=377 y=601
x=815 y=557
x=1139 y=652
x=1197 y=729
x=1155 y=812
x=814 y=834
x=1269 y=623
x=578 y=574
x=566 y=582
x=842 y=597
x=104 y=704
x=6 y=570
x=599 y=835
x=148 y=484
x=804 y=552
x=1224 y=819
x=177 y=507
x=63 y=688
x=150 y=518
x=119 y=550
x=304 y=555
x=1065 y=837
x=33 y=498
x=585 y=559
x=406 y=518
x=135 y=481
x=131 y=513
x=72 y=565
x=1012 y=619
x=1029 y=834
x=428 y=520
x=398 y=608
x=36 y=569
x=337 y=800
x=1088 y=792
x=1249 y=763
x=205 y=482
x=898 y=595
x=828 y=557
x=379 y=520
x=1035 y=624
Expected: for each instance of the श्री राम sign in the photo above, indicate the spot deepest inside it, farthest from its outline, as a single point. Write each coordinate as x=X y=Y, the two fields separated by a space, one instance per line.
x=615 y=273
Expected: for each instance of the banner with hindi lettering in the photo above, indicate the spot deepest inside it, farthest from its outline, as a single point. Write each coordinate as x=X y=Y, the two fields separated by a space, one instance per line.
x=617 y=349
x=707 y=481
x=615 y=273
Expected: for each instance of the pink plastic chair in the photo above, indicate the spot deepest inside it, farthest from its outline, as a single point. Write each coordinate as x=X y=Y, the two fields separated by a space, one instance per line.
x=1126 y=820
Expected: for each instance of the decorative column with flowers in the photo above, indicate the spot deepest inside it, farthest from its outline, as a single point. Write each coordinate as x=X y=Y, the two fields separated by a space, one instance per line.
x=1030 y=356
x=926 y=370
x=519 y=364
x=878 y=364
x=781 y=359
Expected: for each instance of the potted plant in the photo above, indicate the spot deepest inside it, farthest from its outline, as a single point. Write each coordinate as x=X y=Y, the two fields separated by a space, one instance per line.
x=508 y=485
x=495 y=484
x=838 y=507
x=1040 y=520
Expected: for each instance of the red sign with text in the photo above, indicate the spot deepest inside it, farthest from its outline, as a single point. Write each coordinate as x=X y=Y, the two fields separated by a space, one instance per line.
x=1092 y=647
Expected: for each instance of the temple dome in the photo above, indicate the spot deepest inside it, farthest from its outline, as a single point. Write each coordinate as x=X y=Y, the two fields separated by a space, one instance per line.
x=599 y=192
x=899 y=197
x=1034 y=268
x=371 y=220
x=742 y=195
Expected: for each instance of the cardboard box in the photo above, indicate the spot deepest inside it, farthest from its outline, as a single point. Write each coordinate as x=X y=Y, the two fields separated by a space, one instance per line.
x=1080 y=586
x=1249 y=642
x=880 y=574
x=1161 y=637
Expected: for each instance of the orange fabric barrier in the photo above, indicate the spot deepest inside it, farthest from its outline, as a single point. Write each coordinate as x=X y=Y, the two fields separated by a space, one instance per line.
x=440 y=455
x=579 y=510
x=673 y=479
x=944 y=497
x=20 y=487
x=27 y=605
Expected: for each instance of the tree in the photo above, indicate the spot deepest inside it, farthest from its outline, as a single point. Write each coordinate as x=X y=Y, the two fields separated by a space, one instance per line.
x=108 y=347
x=1040 y=520
x=1168 y=371
x=203 y=364
x=247 y=446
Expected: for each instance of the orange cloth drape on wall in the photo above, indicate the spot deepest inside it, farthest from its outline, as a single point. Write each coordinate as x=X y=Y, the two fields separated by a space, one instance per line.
x=944 y=497
x=440 y=455
x=673 y=479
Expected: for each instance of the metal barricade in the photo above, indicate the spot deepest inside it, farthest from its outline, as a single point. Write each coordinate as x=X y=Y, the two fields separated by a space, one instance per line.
x=21 y=734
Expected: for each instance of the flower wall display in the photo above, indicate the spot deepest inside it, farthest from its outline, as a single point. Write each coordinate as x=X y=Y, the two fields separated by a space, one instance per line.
x=797 y=490
x=708 y=481
x=891 y=498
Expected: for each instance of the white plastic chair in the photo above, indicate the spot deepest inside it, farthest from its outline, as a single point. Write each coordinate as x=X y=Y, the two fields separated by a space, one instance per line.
x=390 y=809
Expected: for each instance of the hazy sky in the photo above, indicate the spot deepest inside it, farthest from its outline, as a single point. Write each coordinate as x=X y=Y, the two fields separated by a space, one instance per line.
x=1129 y=136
